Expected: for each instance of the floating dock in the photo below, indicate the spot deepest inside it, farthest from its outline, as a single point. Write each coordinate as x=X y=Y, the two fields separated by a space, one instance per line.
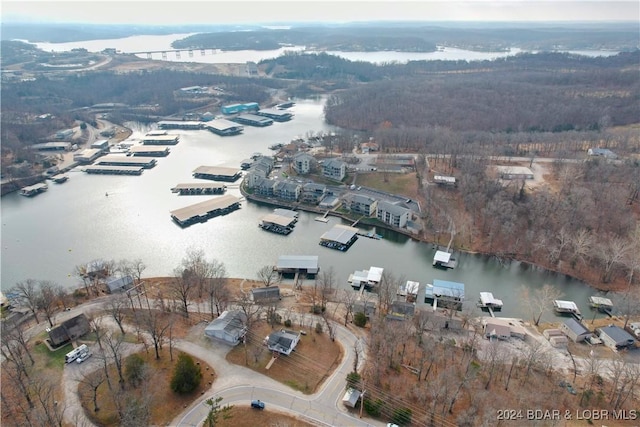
x=298 y=264
x=365 y=279
x=253 y=120
x=199 y=188
x=279 y=224
x=114 y=170
x=201 y=212
x=604 y=305
x=567 y=307
x=285 y=105
x=60 y=178
x=340 y=237
x=34 y=189
x=444 y=260
x=180 y=124
x=223 y=127
x=116 y=160
x=149 y=151
x=489 y=303
x=217 y=173
x=161 y=139
x=275 y=114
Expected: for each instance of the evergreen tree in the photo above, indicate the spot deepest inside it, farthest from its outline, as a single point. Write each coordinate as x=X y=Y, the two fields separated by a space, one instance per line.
x=186 y=375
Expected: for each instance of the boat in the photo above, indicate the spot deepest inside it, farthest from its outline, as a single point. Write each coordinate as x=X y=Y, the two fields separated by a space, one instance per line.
x=567 y=307
x=601 y=304
x=60 y=178
x=489 y=302
x=32 y=190
x=274 y=228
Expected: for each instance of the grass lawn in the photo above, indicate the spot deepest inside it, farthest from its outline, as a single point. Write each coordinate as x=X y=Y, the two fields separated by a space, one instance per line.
x=165 y=404
x=313 y=360
x=395 y=183
x=51 y=359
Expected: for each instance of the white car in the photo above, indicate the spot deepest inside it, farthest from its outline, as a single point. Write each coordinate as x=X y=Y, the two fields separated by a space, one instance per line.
x=83 y=357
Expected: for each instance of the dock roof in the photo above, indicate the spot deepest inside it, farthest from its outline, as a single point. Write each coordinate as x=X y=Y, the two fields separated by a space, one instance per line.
x=340 y=233
x=442 y=256
x=216 y=170
x=375 y=274
x=446 y=288
x=148 y=149
x=195 y=185
x=203 y=208
x=222 y=124
x=281 y=220
x=486 y=298
x=565 y=305
x=115 y=159
x=307 y=262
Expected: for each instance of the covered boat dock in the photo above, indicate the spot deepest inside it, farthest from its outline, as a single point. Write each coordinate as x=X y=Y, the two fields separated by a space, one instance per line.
x=253 y=120
x=162 y=139
x=275 y=114
x=223 y=127
x=199 y=188
x=119 y=160
x=217 y=173
x=114 y=170
x=444 y=293
x=149 y=150
x=340 y=237
x=201 y=212
x=301 y=264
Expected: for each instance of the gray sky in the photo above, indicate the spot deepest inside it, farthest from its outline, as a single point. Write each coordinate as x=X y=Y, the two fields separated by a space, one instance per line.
x=264 y=11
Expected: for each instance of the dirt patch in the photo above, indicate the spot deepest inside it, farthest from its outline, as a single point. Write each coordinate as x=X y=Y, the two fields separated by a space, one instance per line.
x=243 y=415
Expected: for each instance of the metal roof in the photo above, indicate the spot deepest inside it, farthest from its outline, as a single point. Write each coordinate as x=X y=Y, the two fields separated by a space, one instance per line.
x=308 y=262
x=340 y=233
x=446 y=289
x=281 y=220
x=202 y=208
x=442 y=256
x=216 y=170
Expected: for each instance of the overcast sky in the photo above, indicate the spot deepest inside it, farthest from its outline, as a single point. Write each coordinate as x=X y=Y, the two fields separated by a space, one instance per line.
x=264 y=11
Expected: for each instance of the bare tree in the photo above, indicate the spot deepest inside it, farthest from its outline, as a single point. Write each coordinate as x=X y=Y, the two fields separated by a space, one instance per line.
x=182 y=287
x=116 y=306
x=539 y=301
x=611 y=252
x=93 y=380
x=28 y=295
x=268 y=276
x=156 y=324
x=47 y=301
x=347 y=298
x=217 y=289
x=49 y=411
x=113 y=345
x=252 y=314
x=13 y=334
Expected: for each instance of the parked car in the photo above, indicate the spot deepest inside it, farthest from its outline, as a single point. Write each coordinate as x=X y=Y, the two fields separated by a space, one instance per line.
x=257 y=404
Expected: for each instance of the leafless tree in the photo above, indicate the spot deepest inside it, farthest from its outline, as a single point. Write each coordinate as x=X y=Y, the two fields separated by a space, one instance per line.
x=216 y=288
x=347 y=298
x=116 y=306
x=539 y=301
x=182 y=287
x=198 y=268
x=48 y=411
x=627 y=303
x=268 y=276
x=12 y=334
x=93 y=380
x=113 y=346
x=252 y=314
x=611 y=252
x=47 y=301
x=156 y=324
x=327 y=284
x=28 y=295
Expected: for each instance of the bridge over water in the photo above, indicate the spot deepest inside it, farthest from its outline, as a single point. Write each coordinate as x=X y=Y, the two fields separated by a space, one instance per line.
x=179 y=52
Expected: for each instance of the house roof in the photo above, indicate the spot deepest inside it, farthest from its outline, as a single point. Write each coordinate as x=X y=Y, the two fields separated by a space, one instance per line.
x=392 y=208
x=576 y=327
x=282 y=340
x=232 y=322
x=334 y=163
x=116 y=283
x=617 y=334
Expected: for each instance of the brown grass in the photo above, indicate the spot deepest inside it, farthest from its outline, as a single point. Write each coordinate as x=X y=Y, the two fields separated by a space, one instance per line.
x=313 y=360
x=166 y=404
x=243 y=415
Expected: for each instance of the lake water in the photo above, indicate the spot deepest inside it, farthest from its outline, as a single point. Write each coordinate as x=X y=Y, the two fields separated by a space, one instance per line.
x=44 y=237
x=157 y=44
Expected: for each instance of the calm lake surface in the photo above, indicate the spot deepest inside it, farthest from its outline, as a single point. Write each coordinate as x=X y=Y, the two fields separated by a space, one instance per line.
x=45 y=237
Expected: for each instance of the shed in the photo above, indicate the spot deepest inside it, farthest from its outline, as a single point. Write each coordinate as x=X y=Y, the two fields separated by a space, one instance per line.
x=265 y=295
x=615 y=337
x=575 y=330
x=119 y=284
x=351 y=397
x=229 y=327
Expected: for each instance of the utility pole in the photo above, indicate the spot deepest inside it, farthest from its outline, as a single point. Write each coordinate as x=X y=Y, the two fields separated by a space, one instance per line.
x=362 y=401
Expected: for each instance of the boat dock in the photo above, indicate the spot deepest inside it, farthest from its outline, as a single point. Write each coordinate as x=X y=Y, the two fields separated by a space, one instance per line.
x=567 y=307
x=323 y=218
x=32 y=190
x=285 y=105
x=149 y=151
x=60 y=178
x=340 y=237
x=489 y=303
x=444 y=293
x=223 y=127
x=117 y=160
x=279 y=224
x=275 y=114
x=201 y=212
x=603 y=305
x=370 y=235
x=199 y=188
x=361 y=280
x=443 y=259
x=114 y=170
x=217 y=173
x=160 y=139
x=252 y=120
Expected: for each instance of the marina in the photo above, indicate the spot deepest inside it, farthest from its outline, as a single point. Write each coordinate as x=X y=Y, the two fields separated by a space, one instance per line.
x=34 y=189
x=567 y=307
x=116 y=160
x=217 y=173
x=340 y=237
x=279 y=224
x=201 y=212
x=252 y=120
x=113 y=170
x=149 y=151
x=199 y=188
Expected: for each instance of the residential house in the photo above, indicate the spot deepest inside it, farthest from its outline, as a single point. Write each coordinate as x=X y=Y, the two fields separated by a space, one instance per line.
x=119 y=284
x=393 y=214
x=602 y=152
x=615 y=337
x=69 y=330
x=287 y=190
x=334 y=169
x=497 y=331
x=361 y=204
x=265 y=295
x=284 y=342
x=229 y=327
x=303 y=163
x=255 y=176
x=313 y=193
x=575 y=330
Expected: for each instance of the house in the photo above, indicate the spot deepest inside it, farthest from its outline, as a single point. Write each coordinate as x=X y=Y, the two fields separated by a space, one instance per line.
x=351 y=397
x=303 y=162
x=602 y=152
x=229 y=327
x=334 y=169
x=393 y=214
x=69 y=330
x=575 y=330
x=265 y=295
x=514 y=172
x=615 y=337
x=287 y=190
x=284 y=342
x=361 y=204
x=496 y=331
x=119 y=284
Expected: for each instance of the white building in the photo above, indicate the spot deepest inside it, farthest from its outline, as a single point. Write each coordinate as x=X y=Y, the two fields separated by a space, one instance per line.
x=334 y=169
x=302 y=163
x=393 y=214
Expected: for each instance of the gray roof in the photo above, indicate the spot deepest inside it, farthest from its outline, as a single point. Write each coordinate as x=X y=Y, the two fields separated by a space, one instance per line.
x=271 y=292
x=619 y=335
x=231 y=322
x=313 y=186
x=298 y=261
x=360 y=198
x=117 y=283
x=392 y=208
x=576 y=327
x=281 y=340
